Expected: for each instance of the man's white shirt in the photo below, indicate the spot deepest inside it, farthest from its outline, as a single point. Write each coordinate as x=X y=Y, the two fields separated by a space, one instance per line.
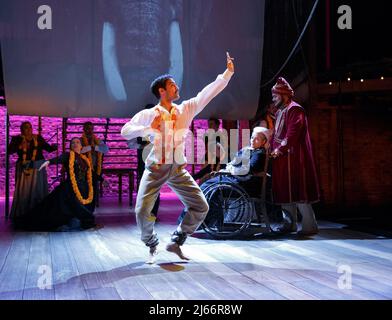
x=172 y=132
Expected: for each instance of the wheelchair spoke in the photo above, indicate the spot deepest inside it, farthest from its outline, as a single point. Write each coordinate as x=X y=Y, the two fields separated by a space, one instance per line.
x=221 y=195
x=228 y=198
x=221 y=221
x=242 y=196
x=230 y=210
x=212 y=199
x=231 y=192
x=215 y=203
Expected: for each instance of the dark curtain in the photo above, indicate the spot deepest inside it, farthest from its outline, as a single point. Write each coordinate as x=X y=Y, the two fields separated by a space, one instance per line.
x=284 y=21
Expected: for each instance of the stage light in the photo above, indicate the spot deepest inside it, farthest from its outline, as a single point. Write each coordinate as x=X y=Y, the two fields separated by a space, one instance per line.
x=382 y=78
x=362 y=80
x=348 y=79
x=330 y=83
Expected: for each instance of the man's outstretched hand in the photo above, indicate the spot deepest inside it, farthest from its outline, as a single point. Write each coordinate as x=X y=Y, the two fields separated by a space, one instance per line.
x=230 y=63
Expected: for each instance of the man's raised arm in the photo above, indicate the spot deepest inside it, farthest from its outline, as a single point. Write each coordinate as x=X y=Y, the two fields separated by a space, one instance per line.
x=197 y=104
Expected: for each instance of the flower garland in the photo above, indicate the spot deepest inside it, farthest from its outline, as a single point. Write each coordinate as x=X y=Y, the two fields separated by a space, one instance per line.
x=73 y=179
x=174 y=114
x=169 y=141
x=24 y=147
x=95 y=142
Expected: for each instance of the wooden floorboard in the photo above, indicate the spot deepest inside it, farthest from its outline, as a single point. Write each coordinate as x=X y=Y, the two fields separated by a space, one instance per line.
x=13 y=273
x=91 y=272
x=67 y=283
x=39 y=279
x=5 y=246
x=109 y=264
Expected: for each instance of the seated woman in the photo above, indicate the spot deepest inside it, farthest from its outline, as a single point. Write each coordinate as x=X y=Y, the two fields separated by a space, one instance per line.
x=246 y=165
x=68 y=207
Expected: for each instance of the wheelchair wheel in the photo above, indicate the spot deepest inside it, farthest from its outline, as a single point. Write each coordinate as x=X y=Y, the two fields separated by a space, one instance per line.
x=231 y=211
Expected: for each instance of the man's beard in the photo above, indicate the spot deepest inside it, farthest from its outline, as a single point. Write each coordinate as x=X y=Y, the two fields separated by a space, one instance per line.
x=279 y=104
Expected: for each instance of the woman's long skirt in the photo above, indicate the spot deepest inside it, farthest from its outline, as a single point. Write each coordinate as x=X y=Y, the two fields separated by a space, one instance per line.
x=30 y=190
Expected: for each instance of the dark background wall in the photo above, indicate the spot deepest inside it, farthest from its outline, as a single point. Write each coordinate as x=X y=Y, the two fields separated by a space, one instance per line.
x=365 y=180
x=351 y=130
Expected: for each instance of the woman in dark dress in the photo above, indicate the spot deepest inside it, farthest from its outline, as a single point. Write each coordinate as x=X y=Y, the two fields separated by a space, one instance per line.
x=31 y=185
x=68 y=207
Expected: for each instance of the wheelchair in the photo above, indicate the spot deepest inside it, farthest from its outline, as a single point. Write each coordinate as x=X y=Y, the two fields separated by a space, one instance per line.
x=234 y=213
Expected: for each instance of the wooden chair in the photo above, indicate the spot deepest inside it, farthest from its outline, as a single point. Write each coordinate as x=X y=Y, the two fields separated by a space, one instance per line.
x=130 y=173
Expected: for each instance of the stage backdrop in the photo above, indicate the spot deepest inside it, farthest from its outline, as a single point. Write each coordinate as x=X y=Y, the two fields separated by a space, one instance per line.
x=97 y=58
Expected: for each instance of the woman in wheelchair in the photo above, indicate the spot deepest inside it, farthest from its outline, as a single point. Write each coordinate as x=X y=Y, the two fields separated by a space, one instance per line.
x=237 y=195
x=247 y=166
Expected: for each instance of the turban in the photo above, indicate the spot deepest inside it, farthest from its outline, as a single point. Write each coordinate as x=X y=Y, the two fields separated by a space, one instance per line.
x=282 y=87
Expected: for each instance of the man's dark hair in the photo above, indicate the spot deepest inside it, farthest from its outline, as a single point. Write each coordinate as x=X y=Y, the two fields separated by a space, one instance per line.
x=159 y=83
x=23 y=124
x=217 y=122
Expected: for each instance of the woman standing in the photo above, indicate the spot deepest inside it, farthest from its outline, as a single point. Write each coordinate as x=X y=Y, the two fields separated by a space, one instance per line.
x=68 y=206
x=31 y=185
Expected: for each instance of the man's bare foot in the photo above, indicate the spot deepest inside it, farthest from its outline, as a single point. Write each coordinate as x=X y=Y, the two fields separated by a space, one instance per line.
x=152 y=255
x=175 y=248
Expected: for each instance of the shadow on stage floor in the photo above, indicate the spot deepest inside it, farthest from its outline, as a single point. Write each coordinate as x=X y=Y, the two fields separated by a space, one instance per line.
x=109 y=263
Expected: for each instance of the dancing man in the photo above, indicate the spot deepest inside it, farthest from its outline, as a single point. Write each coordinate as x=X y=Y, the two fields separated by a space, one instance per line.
x=166 y=125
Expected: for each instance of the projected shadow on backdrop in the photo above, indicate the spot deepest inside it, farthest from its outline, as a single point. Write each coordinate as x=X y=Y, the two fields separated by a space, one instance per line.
x=140 y=40
x=101 y=56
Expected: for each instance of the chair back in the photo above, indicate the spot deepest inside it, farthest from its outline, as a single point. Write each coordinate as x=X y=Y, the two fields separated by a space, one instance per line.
x=264 y=175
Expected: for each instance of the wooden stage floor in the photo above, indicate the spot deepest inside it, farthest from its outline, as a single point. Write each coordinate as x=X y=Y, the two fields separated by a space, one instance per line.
x=109 y=264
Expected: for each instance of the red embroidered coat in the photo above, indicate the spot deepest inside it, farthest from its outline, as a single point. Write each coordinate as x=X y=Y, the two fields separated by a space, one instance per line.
x=294 y=177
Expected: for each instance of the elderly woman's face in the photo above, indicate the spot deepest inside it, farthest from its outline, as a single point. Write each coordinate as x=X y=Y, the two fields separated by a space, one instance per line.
x=76 y=145
x=257 y=140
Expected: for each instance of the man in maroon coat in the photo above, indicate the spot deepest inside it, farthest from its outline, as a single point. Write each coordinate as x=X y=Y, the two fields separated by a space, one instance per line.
x=294 y=182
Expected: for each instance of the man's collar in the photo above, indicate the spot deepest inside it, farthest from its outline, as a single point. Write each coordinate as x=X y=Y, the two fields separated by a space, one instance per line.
x=162 y=108
x=284 y=106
